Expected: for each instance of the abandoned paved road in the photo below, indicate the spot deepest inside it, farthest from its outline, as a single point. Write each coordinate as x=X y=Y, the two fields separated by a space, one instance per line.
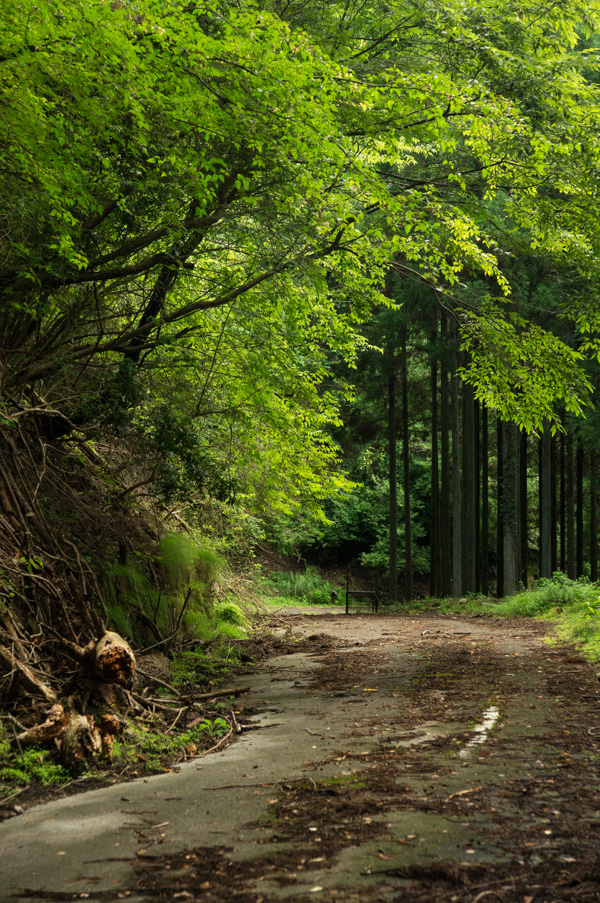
x=393 y=758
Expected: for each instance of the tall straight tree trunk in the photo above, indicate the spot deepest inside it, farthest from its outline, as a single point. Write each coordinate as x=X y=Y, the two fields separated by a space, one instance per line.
x=456 y=483
x=499 y=509
x=477 y=446
x=510 y=505
x=593 y=518
x=570 y=505
x=563 y=509
x=579 y=480
x=553 y=504
x=523 y=527
x=408 y=565
x=546 y=525
x=435 y=579
x=393 y=561
x=445 y=532
x=468 y=542
x=485 y=505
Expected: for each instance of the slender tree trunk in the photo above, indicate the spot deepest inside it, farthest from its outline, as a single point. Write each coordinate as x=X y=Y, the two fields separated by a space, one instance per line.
x=499 y=507
x=435 y=580
x=446 y=536
x=546 y=525
x=510 y=504
x=393 y=562
x=456 y=482
x=579 y=479
x=570 y=504
x=593 y=518
x=485 y=505
x=563 y=495
x=523 y=526
x=553 y=504
x=408 y=566
x=477 y=446
x=468 y=542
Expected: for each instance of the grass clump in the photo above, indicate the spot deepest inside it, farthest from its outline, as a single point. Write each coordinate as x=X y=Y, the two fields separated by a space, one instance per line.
x=198 y=666
x=182 y=606
x=154 y=749
x=551 y=595
x=304 y=588
x=574 y=603
x=34 y=764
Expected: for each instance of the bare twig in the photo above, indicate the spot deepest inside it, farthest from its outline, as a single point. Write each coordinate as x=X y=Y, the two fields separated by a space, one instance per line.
x=463 y=793
x=216 y=693
x=157 y=680
x=179 y=714
x=219 y=744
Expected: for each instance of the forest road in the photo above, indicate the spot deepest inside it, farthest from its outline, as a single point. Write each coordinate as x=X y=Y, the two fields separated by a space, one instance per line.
x=393 y=758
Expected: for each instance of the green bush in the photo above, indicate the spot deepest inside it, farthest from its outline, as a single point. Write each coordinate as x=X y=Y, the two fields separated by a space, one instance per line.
x=228 y=612
x=576 y=604
x=553 y=592
x=308 y=587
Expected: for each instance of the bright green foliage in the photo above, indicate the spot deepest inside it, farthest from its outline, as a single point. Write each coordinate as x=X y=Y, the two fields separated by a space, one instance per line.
x=574 y=603
x=33 y=764
x=196 y=667
x=226 y=612
x=187 y=562
x=183 y=604
x=156 y=749
x=551 y=593
x=201 y=203
x=307 y=587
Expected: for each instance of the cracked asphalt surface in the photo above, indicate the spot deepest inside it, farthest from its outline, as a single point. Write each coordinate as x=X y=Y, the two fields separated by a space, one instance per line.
x=369 y=772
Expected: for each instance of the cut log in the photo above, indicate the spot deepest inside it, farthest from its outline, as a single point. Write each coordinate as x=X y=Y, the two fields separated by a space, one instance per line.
x=42 y=734
x=81 y=742
x=111 y=660
x=26 y=676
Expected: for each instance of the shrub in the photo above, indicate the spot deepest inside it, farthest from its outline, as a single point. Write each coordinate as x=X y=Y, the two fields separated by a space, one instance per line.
x=308 y=587
x=552 y=592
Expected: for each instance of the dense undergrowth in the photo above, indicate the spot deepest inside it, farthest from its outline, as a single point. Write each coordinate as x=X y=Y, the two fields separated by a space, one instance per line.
x=573 y=605
x=283 y=588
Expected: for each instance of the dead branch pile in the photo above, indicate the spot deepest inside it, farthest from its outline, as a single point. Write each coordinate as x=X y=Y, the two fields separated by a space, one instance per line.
x=60 y=532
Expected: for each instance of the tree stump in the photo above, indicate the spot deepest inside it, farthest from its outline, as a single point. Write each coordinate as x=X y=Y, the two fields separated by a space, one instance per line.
x=110 y=660
x=81 y=742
